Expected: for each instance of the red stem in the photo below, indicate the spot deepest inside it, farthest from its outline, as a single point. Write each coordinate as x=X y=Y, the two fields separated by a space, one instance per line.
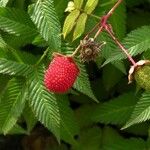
x=98 y=32
x=102 y=24
x=120 y=45
x=113 y=9
x=104 y=19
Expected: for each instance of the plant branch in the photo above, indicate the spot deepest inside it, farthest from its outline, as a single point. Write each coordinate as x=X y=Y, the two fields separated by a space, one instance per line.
x=43 y=56
x=86 y=36
x=98 y=32
x=113 y=9
x=102 y=23
x=76 y=51
x=104 y=19
x=109 y=30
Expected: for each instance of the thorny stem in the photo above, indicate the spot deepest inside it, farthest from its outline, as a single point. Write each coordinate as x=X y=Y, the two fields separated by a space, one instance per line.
x=98 y=32
x=104 y=19
x=109 y=30
x=113 y=9
x=102 y=24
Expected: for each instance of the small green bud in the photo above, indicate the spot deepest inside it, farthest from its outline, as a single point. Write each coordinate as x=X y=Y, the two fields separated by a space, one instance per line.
x=142 y=77
x=70 y=7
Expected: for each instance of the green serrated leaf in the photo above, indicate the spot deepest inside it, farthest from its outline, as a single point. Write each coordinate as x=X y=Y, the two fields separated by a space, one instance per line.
x=107 y=50
x=120 y=65
x=14 y=68
x=110 y=71
x=28 y=58
x=70 y=22
x=17 y=129
x=60 y=6
x=138 y=129
x=29 y=118
x=116 y=111
x=82 y=83
x=17 y=22
x=113 y=141
x=146 y=55
x=108 y=47
x=78 y=3
x=18 y=41
x=52 y=110
x=2 y=43
x=44 y=16
x=3 y=3
x=136 y=42
x=12 y=104
x=89 y=139
x=118 y=21
x=84 y=115
x=141 y=111
x=43 y=103
x=90 y=6
x=3 y=80
x=80 y=26
x=68 y=124
x=39 y=41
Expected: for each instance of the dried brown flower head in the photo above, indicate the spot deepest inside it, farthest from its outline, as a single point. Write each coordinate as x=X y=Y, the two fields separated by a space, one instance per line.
x=89 y=49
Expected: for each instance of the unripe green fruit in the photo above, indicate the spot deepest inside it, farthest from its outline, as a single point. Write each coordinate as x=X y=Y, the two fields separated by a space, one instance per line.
x=142 y=77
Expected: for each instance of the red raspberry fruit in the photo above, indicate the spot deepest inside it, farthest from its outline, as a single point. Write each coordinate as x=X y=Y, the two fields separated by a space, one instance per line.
x=61 y=74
